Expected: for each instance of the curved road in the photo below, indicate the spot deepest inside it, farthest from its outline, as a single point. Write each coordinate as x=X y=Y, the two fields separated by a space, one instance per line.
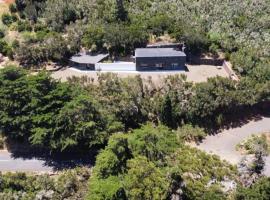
x=10 y=164
x=224 y=143
x=27 y=162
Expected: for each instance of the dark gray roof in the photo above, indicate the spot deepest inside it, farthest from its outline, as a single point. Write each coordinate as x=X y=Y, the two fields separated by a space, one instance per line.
x=84 y=58
x=158 y=52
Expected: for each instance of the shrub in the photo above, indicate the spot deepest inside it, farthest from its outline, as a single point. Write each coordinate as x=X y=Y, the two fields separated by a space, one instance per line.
x=109 y=188
x=3 y=47
x=12 y=8
x=15 y=44
x=24 y=26
x=8 y=19
x=255 y=144
x=9 y=53
x=1 y=142
x=260 y=190
x=190 y=133
x=2 y=33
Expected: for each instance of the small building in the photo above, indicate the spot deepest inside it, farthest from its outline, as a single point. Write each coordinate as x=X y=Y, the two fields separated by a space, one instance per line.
x=86 y=61
x=149 y=59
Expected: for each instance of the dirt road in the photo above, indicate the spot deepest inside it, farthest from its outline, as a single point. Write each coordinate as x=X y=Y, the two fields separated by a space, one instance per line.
x=224 y=143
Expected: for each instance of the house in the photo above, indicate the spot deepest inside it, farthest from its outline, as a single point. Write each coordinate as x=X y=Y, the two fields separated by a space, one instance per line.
x=146 y=59
x=86 y=61
x=149 y=59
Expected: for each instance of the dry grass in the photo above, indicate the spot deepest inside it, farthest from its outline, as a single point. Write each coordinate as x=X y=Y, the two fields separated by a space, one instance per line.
x=3 y=9
x=9 y=1
x=11 y=35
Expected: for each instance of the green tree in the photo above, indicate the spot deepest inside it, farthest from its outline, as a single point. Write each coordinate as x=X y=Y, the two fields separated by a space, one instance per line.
x=15 y=113
x=94 y=38
x=110 y=188
x=190 y=133
x=166 y=113
x=113 y=160
x=78 y=123
x=155 y=143
x=145 y=181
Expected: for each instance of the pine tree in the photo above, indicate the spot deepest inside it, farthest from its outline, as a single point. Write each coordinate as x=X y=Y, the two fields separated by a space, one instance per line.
x=166 y=114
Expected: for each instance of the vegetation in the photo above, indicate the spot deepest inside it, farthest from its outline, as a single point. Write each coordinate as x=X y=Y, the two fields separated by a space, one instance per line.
x=150 y=163
x=98 y=26
x=140 y=128
x=254 y=144
x=70 y=184
x=259 y=190
x=1 y=142
x=45 y=109
x=64 y=116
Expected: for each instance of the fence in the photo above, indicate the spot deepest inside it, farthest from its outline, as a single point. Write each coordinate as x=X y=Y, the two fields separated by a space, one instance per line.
x=228 y=68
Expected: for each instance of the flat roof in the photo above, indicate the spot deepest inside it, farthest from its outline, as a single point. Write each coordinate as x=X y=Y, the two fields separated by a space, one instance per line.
x=84 y=58
x=158 y=52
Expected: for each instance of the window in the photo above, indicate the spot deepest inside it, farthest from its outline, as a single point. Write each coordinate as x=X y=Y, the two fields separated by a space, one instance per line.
x=175 y=64
x=144 y=65
x=159 y=65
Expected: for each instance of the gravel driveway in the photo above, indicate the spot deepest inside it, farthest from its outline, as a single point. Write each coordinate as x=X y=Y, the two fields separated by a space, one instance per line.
x=196 y=73
x=224 y=143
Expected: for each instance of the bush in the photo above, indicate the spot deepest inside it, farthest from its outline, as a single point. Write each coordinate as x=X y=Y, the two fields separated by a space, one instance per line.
x=24 y=26
x=15 y=44
x=255 y=144
x=9 y=53
x=190 y=133
x=1 y=142
x=40 y=27
x=260 y=190
x=8 y=19
x=2 y=33
x=12 y=8
x=3 y=47
x=69 y=184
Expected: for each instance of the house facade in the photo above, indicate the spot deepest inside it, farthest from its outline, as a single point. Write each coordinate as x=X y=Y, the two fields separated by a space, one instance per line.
x=146 y=59
x=149 y=59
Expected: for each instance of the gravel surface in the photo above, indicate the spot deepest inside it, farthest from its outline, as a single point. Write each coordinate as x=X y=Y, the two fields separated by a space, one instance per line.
x=10 y=164
x=196 y=73
x=224 y=143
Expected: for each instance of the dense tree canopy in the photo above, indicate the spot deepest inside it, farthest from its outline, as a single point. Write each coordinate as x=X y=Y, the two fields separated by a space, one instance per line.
x=240 y=28
x=150 y=163
x=59 y=116
x=143 y=125
x=50 y=114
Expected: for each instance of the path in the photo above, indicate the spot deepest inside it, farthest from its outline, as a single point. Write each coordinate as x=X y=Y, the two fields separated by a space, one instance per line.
x=223 y=144
x=196 y=73
x=8 y=163
x=25 y=162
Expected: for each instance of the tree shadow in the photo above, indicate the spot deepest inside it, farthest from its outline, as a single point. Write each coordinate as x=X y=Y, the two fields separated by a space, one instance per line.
x=57 y=160
x=240 y=116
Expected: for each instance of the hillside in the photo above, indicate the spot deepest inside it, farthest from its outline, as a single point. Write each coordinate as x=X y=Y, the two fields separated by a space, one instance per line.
x=131 y=136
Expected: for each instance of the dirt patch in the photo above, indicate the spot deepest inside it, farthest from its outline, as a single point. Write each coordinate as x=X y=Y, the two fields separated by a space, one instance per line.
x=9 y=1
x=195 y=73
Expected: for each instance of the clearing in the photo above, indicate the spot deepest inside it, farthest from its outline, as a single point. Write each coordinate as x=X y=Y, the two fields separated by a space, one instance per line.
x=196 y=73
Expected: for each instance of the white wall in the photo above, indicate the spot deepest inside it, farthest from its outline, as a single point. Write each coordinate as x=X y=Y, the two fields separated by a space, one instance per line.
x=117 y=66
